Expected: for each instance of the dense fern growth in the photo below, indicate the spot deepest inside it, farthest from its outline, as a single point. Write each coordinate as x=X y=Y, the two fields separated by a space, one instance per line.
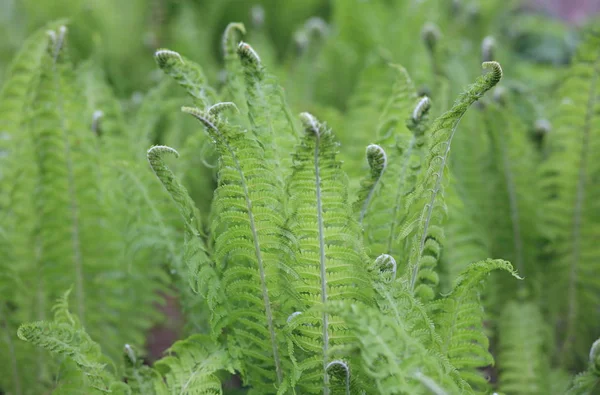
x=320 y=215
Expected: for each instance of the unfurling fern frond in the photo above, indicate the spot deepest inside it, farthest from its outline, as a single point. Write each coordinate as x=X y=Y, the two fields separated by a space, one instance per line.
x=201 y=273
x=252 y=250
x=588 y=382
x=459 y=318
x=331 y=263
x=66 y=337
x=187 y=74
x=270 y=117
x=426 y=203
x=191 y=368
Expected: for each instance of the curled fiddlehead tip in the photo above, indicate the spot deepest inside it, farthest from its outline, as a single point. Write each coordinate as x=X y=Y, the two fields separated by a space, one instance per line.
x=340 y=364
x=96 y=117
x=218 y=108
x=292 y=316
x=421 y=108
x=310 y=123
x=488 y=47
x=165 y=56
x=257 y=15
x=314 y=27
x=230 y=34
x=496 y=73
x=376 y=158
x=246 y=52
x=431 y=35
x=207 y=121
x=384 y=262
x=57 y=40
x=157 y=150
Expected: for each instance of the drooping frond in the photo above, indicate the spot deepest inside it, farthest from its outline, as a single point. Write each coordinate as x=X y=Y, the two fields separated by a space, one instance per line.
x=66 y=337
x=459 y=318
x=233 y=67
x=571 y=193
x=426 y=202
x=201 y=273
x=331 y=263
x=191 y=368
x=252 y=250
x=588 y=382
x=522 y=351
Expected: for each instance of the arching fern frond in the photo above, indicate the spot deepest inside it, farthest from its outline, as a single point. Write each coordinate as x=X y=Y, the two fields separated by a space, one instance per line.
x=458 y=318
x=66 y=337
x=426 y=203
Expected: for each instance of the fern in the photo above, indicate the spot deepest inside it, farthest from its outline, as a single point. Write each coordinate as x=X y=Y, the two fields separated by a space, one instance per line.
x=588 y=381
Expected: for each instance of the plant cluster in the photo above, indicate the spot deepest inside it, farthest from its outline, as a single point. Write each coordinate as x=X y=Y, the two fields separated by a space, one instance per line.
x=341 y=250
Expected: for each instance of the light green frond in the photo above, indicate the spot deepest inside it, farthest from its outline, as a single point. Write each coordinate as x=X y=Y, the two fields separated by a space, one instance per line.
x=187 y=74
x=426 y=202
x=331 y=263
x=253 y=250
x=191 y=368
x=458 y=318
x=522 y=359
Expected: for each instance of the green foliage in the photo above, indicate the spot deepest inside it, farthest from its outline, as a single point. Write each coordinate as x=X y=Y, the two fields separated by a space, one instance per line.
x=299 y=266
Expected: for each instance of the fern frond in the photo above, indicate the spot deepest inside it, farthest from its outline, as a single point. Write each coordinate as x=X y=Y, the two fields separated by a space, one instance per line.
x=331 y=263
x=270 y=117
x=459 y=319
x=397 y=362
x=377 y=160
x=201 y=274
x=522 y=350
x=428 y=193
x=571 y=192
x=66 y=337
x=253 y=249
x=187 y=74
x=191 y=367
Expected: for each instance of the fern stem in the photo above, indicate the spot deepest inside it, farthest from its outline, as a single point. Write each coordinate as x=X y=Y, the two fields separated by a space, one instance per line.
x=578 y=215
x=11 y=351
x=322 y=263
